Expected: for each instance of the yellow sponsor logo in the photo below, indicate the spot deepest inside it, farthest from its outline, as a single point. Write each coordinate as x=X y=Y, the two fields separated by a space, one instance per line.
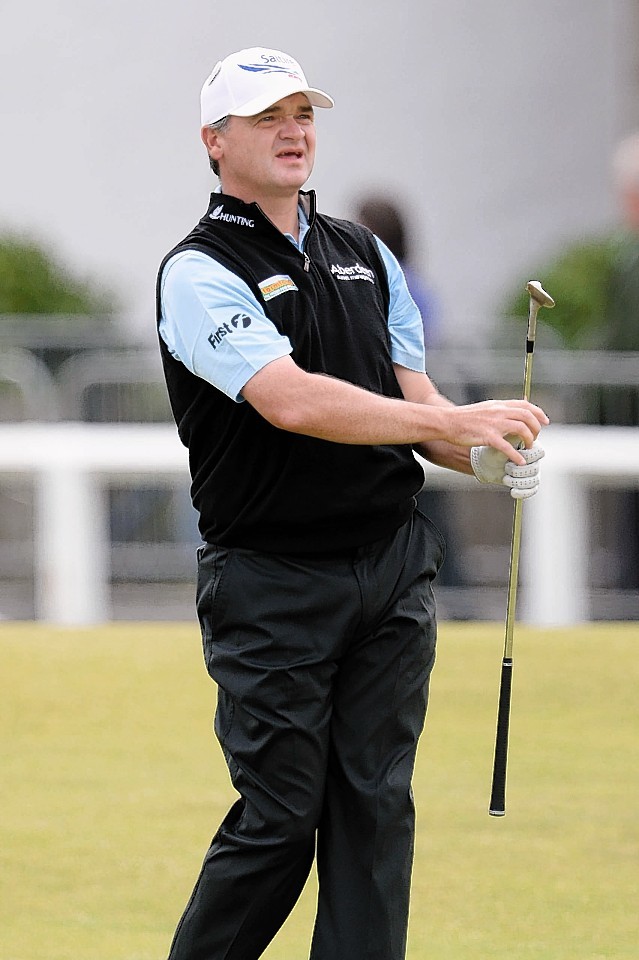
x=274 y=286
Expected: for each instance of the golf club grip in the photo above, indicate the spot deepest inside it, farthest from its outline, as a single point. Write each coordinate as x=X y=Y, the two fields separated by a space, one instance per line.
x=498 y=795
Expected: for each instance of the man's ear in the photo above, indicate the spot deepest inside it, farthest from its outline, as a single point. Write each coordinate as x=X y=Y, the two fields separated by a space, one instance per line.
x=211 y=140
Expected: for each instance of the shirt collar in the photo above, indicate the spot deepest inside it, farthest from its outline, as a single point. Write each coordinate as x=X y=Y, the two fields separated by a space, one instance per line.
x=302 y=220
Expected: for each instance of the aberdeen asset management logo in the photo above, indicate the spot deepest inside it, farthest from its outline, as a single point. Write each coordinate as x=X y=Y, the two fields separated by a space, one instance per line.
x=218 y=214
x=356 y=272
x=240 y=320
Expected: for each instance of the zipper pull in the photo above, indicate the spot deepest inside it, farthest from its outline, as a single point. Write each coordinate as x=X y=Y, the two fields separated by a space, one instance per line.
x=307 y=263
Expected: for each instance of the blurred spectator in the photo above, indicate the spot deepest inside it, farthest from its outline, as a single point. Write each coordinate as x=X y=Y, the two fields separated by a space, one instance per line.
x=621 y=327
x=620 y=332
x=595 y=282
x=388 y=222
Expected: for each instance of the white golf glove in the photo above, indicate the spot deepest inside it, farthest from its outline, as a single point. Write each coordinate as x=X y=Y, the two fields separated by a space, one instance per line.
x=492 y=466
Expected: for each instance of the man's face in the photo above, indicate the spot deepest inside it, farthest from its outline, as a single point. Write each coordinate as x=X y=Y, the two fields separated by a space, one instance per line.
x=268 y=155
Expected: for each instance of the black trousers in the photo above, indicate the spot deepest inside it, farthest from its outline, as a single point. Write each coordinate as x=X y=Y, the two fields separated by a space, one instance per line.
x=322 y=669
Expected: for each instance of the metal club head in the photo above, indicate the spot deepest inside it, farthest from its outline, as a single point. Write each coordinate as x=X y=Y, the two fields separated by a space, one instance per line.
x=538 y=299
x=538 y=294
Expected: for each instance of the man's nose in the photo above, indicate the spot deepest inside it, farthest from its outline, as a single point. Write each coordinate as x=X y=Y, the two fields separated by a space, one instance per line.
x=290 y=128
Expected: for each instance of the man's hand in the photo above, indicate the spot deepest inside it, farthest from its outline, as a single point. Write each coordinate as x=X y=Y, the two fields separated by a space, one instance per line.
x=492 y=466
x=506 y=425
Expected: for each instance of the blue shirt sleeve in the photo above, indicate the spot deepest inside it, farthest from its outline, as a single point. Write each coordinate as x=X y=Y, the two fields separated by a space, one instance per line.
x=404 y=319
x=212 y=322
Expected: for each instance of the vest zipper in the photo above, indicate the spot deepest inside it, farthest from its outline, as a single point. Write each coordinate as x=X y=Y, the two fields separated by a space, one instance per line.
x=307 y=259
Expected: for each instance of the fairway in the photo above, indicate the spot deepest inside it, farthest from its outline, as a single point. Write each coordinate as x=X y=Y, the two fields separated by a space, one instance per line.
x=112 y=785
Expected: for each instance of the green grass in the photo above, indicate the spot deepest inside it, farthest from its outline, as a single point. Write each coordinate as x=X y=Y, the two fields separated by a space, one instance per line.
x=111 y=786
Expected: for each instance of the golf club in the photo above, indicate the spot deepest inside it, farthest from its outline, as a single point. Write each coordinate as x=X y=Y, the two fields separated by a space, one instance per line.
x=538 y=298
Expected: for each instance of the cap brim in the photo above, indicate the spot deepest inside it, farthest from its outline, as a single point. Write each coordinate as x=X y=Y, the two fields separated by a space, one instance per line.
x=316 y=97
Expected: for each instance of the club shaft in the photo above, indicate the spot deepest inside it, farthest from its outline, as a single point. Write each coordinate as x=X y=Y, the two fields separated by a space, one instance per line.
x=497 y=807
x=515 y=540
x=513 y=580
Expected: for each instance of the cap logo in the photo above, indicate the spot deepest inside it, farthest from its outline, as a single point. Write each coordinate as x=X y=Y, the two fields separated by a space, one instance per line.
x=264 y=68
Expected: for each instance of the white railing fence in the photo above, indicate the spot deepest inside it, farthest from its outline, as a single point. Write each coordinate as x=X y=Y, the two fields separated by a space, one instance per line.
x=71 y=465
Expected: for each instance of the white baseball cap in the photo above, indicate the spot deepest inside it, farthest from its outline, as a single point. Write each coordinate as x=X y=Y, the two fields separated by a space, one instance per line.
x=247 y=82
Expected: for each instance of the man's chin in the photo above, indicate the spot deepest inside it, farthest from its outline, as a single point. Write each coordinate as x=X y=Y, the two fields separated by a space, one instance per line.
x=295 y=177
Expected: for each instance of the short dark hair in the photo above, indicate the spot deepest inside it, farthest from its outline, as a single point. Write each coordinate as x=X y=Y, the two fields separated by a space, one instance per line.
x=218 y=125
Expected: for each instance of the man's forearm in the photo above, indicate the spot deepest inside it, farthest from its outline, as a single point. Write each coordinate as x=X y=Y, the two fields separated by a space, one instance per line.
x=444 y=454
x=331 y=409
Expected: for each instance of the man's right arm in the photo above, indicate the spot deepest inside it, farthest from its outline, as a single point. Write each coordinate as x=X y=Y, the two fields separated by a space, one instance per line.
x=214 y=325
x=331 y=409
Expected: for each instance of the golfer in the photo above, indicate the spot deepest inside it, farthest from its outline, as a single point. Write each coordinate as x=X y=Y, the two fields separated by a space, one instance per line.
x=295 y=366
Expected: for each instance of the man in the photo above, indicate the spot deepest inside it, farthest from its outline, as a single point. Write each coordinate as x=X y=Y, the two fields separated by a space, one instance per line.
x=386 y=219
x=294 y=362
x=618 y=510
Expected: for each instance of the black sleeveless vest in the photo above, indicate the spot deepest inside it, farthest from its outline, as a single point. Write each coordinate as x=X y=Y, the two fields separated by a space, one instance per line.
x=262 y=488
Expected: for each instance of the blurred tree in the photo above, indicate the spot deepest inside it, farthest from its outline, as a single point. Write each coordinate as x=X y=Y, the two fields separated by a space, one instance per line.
x=32 y=281
x=580 y=281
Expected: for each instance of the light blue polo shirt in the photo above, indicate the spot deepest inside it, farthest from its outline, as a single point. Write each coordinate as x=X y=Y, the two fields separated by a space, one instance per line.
x=197 y=293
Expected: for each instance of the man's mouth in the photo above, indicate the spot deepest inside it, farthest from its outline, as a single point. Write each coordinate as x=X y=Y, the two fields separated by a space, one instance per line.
x=290 y=155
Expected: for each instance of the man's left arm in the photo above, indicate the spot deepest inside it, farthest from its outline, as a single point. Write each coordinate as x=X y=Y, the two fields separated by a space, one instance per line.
x=419 y=388
x=486 y=463
x=407 y=349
